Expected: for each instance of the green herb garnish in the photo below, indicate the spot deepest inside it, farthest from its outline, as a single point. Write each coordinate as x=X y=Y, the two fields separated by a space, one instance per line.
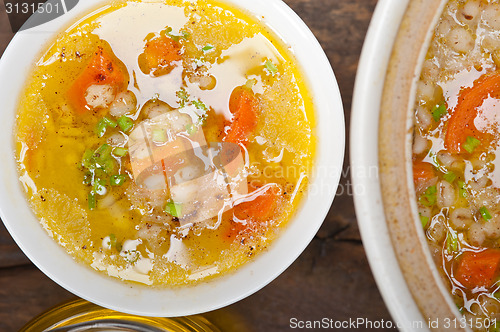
x=102 y=153
x=173 y=209
x=87 y=179
x=429 y=197
x=191 y=129
x=108 y=166
x=117 y=180
x=99 y=187
x=485 y=213
x=102 y=125
x=100 y=129
x=182 y=34
x=91 y=199
x=271 y=68
x=452 y=242
x=462 y=188
x=471 y=143
x=250 y=83
x=200 y=105
x=183 y=96
x=207 y=48
x=87 y=159
x=120 y=152
x=125 y=123
x=450 y=177
x=424 y=220
x=439 y=111
x=159 y=135
x=109 y=122
x=112 y=241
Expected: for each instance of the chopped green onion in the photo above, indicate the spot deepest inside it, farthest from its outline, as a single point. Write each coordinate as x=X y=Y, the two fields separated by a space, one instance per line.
x=438 y=111
x=183 y=34
x=471 y=143
x=100 y=129
x=125 y=123
x=250 y=83
x=202 y=120
x=168 y=30
x=109 y=122
x=485 y=213
x=462 y=189
x=429 y=197
x=200 y=105
x=108 y=166
x=112 y=240
x=207 y=48
x=131 y=256
x=450 y=177
x=120 y=152
x=191 y=129
x=159 y=135
x=452 y=242
x=117 y=180
x=424 y=220
x=99 y=187
x=103 y=153
x=87 y=179
x=173 y=209
x=88 y=155
x=101 y=126
x=271 y=68
x=91 y=199
x=183 y=96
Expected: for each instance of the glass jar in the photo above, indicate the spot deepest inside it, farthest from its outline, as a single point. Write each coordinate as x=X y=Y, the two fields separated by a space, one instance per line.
x=82 y=316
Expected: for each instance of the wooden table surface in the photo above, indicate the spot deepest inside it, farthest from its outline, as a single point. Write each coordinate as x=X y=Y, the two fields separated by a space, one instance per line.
x=331 y=279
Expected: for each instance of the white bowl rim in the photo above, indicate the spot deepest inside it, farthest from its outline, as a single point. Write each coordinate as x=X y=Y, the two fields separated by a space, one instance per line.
x=222 y=291
x=364 y=158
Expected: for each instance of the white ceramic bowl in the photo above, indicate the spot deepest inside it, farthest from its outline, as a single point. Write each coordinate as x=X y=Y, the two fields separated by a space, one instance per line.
x=394 y=242
x=364 y=156
x=136 y=299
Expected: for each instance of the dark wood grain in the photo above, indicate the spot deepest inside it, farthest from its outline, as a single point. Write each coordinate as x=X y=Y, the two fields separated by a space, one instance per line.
x=330 y=279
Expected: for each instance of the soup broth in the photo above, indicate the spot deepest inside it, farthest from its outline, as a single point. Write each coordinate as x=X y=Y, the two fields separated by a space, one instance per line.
x=165 y=142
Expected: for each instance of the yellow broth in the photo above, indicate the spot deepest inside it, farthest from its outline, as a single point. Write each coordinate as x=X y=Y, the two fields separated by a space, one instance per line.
x=130 y=231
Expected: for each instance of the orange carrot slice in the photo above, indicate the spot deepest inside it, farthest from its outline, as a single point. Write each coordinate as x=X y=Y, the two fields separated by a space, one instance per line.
x=478 y=269
x=160 y=55
x=256 y=212
x=262 y=207
x=245 y=107
x=101 y=69
x=422 y=171
x=461 y=123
